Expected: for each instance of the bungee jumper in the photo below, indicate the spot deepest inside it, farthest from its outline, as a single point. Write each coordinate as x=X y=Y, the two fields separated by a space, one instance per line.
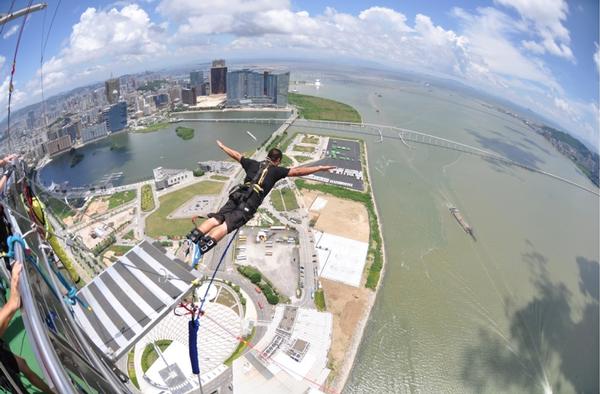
x=244 y=199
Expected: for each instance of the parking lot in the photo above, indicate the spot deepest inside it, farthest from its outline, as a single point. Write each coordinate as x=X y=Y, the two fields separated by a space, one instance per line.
x=275 y=255
x=345 y=156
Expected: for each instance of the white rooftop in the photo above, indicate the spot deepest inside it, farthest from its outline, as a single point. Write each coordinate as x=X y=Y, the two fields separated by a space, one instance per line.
x=341 y=259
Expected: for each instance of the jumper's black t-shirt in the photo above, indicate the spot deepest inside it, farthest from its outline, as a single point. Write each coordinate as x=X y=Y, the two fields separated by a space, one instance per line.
x=274 y=174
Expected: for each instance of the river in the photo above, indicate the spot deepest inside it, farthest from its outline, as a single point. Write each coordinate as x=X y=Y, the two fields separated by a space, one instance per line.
x=514 y=311
x=137 y=154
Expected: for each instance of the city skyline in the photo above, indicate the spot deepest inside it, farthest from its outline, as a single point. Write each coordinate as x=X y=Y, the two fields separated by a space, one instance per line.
x=541 y=57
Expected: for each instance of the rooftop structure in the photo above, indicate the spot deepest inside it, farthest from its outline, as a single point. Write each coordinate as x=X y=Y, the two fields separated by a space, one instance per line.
x=130 y=297
x=218 y=77
x=341 y=259
x=165 y=177
x=113 y=90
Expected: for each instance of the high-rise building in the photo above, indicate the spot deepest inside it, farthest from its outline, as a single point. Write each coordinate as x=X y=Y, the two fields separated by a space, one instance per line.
x=196 y=79
x=175 y=93
x=113 y=90
x=30 y=119
x=57 y=145
x=93 y=132
x=115 y=117
x=254 y=87
x=161 y=100
x=188 y=96
x=218 y=77
x=283 y=85
x=72 y=129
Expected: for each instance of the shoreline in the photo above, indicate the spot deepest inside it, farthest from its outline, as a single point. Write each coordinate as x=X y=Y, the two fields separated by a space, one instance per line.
x=346 y=367
x=201 y=111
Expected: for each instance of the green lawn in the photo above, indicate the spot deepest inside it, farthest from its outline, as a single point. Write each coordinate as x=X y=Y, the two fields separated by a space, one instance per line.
x=219 y=178
x=318 y=108
x=157 y=223
x=286 y=161
x=307 y=149
x=131 y=369
x=58 y=207
x=129 y=235
x=277 y=201
x=147 y=198
x=153 y=127
x=120 y=250
x=120 y=198
x=310 y=139
x=302 y=159
x=284 y=200
x=320 y=300
x=239 y=350
x=289 y=198
x=150 y=356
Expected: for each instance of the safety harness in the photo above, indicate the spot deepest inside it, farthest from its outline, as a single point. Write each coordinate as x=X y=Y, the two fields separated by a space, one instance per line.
x=241 y=193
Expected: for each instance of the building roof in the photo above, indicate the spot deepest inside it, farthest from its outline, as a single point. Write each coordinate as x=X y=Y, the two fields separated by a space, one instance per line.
x=130 y=297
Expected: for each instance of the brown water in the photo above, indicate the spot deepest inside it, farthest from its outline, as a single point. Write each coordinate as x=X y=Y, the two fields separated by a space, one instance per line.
x=515 y=311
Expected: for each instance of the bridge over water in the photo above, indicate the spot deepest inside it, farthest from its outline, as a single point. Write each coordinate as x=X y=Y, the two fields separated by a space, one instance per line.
x=398 y=133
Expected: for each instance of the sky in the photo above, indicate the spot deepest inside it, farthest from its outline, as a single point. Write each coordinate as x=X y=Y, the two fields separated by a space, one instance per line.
x=540 y=54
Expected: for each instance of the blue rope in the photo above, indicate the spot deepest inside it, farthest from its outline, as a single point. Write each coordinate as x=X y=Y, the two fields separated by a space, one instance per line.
x=194 y=323
x=216 y=269
x=71 y=297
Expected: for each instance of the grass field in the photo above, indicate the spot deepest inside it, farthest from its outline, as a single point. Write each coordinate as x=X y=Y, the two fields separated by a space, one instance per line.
x=284 y=200
x=58 y=207
x=120 y=198
x=239 y=350
x=320 y=300
x=120 y=250
x=131 y=369
x=219 y=178
x=310 y=139
x=317 y=108
x=277 y=201
x=289 y=198
x=147 y=198
x=302 y=159
x=153 y=127
x=307 y=149
x=150 y=356
x=157 y=223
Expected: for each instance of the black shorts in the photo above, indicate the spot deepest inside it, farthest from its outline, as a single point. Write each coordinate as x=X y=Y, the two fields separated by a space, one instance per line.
x=233 y=214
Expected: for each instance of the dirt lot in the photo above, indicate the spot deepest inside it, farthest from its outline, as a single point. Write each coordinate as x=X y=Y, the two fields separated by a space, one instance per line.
x=348 y=305
x=339 y=217
x=98 y=206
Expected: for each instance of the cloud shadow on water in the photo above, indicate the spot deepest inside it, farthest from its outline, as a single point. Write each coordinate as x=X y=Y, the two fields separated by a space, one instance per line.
x=547 y=328
x=507 y=149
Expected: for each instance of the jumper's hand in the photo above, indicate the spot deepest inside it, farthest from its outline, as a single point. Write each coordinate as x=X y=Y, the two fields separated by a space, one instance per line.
x=327 y=168
x=15 y=274
x=220 y=144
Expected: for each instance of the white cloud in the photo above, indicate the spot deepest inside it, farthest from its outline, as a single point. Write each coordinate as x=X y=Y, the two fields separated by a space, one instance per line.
x=108 y=40
x=546 y=17
x=11 y=31
x=597 y=57
x=491 y=50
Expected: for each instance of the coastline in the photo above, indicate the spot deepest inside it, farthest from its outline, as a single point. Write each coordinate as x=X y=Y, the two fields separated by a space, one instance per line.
x=341 y=378
x=265 y=109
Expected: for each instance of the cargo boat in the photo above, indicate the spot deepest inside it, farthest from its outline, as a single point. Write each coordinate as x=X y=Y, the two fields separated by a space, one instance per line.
x=465 y=226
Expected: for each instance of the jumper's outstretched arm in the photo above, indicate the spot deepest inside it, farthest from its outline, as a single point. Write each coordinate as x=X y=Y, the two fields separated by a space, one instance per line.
x=235 y=155
x=301 y=171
